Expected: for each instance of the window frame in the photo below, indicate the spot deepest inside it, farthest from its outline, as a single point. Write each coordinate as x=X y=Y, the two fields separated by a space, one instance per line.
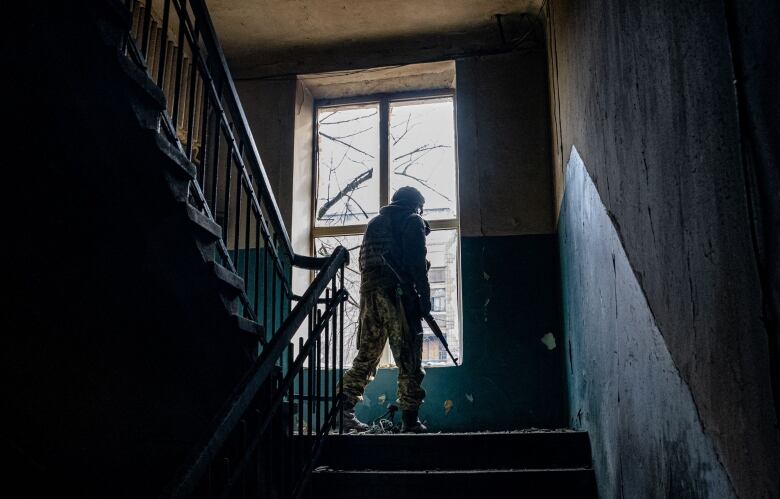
x=384 y=100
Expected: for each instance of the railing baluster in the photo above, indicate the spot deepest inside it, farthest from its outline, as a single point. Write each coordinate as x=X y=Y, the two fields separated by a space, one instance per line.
x=237 y=227
x=341 y=355
x=335 y=349
x=257 y=269
x=329 y=295
x=191 y=106
x=317 y=373
x=168 y=83
x=203 y=123
x=153 y=59
x=300 y=392
x=247 y=233
x=226 y=200
x=290 y=416
x=135 y=23
x=146 y=31
x=309 y=388
x=268 y=327
x=215 y=166
x=177 y=84
x=163 y=41
x=274 y=276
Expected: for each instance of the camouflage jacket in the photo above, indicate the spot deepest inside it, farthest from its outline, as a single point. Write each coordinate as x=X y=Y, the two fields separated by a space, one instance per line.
x=398 y=230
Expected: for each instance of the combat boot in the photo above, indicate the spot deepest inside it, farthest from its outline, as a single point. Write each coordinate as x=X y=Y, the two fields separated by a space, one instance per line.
x=351 y=422
x=411 y=424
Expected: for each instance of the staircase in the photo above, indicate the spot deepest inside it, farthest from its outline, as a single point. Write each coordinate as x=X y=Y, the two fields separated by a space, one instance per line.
x=161 y=359
x=554 y=464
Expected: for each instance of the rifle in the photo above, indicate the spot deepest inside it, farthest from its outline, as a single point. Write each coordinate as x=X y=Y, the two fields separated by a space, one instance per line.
x=428 y=317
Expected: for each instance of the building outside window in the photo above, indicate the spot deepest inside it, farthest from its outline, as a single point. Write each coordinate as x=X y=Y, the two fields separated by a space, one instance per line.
x=365 y=150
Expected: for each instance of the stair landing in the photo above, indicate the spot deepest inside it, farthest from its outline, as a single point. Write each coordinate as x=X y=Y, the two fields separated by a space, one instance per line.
x=548 y=464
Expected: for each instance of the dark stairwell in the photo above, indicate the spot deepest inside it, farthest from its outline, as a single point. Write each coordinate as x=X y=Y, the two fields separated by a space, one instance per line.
x=148 y=348
x=554 y=464
x=149 y=327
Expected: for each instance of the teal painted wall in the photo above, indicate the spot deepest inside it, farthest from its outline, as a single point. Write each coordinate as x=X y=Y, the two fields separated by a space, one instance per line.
x=275 y=310
x=509 y=379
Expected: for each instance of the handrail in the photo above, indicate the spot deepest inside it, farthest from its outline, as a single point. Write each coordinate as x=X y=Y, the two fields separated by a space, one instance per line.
x=263 y=367
x=204 y=119
x=257 y=165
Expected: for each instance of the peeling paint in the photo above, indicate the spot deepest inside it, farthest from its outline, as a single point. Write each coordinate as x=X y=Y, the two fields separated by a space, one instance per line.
x=470 y=397
x=448 y=404
x=549 y=341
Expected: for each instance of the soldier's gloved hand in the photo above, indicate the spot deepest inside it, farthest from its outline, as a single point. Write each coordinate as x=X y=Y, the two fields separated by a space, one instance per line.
x=425 y=305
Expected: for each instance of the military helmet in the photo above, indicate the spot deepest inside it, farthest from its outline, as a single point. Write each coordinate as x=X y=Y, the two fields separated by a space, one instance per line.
x=408 y=196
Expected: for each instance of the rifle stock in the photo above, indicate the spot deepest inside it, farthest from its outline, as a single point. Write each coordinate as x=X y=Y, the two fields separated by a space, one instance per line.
x=428 y=318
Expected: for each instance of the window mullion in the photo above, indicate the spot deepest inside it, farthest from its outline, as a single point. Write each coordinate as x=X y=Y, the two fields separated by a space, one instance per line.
x=384 y=151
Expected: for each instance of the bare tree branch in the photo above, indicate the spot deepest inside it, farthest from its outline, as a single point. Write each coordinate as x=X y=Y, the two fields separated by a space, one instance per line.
x=358 y=204
x=424 y=147
x=351 y=186
x=328 y=116
x=353 y=134
x=322 y=121
x=336 y=139
x=407 y=128
x=424 y=183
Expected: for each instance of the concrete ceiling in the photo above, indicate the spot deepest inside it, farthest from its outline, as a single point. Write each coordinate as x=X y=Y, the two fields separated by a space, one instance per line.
x=257 y=32
x=408 y=78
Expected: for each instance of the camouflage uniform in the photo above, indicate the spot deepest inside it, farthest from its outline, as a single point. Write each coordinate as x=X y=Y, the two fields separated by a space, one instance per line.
x=386 y=315
x=381 y=319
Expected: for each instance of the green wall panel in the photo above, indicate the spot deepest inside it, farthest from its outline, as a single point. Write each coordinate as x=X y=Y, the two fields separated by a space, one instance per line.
x=509 y=378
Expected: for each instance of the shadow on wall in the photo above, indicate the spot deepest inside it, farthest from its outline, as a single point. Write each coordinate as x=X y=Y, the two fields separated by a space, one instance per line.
x=512 y=373
x=625 y=390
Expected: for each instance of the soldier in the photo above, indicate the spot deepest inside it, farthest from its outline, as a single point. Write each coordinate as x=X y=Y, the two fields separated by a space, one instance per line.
x=386 y=314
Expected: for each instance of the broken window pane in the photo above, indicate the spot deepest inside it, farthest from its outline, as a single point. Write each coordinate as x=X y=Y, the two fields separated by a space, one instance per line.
x=324 y=246
x=347 y=165
x=422 y=153
x=443 y=255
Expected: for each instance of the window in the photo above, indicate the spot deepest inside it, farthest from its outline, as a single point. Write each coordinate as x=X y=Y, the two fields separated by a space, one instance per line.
x=365 y=150
x=438 y=299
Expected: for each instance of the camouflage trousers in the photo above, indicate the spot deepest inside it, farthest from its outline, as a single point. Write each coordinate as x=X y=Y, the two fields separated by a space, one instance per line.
x=382 y=319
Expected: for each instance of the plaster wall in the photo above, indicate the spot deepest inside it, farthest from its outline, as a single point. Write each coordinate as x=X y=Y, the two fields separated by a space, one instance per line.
x=505 y=183
x=509 y=266
x=504 y=145
x=645 y=92
x=624 y=387
x=269 y=106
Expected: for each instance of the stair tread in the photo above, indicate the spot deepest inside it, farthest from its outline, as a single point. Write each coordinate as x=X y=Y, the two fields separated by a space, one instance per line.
x=181 y=165
x=203 y=223
x=228 y=277
x=453 y=451
x=249 y=326
x=547 y=482
x=323 y=469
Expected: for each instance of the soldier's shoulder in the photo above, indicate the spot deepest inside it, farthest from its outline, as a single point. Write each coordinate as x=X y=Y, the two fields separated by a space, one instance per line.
x=414 y=220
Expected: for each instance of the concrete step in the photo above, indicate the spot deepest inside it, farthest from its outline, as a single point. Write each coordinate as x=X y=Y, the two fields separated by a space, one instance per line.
x=458 y=451
x=569 y=483
x=205 y=227
x=227 y=279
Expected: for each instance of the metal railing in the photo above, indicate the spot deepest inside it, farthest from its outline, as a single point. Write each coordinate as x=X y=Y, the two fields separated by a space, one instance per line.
x=174 y=40
x=266 y=440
